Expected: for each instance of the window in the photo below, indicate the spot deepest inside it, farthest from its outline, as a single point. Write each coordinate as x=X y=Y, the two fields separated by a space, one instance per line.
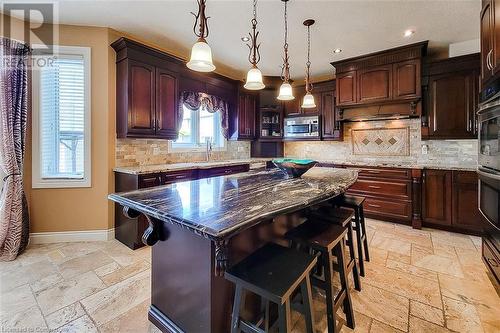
x=61 y=120
x=197 y=127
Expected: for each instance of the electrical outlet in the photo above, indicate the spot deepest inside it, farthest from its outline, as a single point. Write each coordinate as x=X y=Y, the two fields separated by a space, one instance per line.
x=425 y=149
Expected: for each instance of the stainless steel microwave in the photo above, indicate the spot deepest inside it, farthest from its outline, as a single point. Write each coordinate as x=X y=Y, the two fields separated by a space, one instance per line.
x=302 y=127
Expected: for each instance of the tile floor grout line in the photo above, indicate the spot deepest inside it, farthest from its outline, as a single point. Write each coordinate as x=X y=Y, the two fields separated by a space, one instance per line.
x=39 y=308
x=90 y=317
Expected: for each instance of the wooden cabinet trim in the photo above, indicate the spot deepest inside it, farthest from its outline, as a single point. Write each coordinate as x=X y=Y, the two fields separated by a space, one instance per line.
x=378 y=82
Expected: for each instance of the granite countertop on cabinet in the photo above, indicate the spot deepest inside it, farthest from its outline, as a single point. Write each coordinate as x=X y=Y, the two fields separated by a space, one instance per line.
x=144 y=169
x=231 y=204
x=406 y=165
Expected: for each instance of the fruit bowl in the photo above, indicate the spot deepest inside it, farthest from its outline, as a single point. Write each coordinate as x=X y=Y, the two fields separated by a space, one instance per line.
x=294 y=168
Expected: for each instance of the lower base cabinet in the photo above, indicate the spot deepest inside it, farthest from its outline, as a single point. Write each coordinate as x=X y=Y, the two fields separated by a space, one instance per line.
x=450 y=200
x=129 y=231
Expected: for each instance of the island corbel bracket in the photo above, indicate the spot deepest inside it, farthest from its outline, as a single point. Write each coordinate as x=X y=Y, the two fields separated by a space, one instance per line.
x=221 y=257
x=153 y=233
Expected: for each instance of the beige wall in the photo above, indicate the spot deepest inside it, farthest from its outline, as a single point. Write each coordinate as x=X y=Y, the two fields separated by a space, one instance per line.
x=81 y=208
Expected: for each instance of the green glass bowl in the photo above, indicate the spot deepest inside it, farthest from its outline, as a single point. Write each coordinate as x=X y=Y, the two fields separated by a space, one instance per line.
x=294 y=168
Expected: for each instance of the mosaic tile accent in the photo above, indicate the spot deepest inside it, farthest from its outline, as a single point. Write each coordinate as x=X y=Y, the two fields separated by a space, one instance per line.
x=381 y=141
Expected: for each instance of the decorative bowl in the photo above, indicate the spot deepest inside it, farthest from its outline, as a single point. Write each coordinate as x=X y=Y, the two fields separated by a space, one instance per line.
x=294 y=168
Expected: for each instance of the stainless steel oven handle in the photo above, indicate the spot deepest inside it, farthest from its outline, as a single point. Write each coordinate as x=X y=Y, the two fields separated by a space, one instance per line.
x=488 y=174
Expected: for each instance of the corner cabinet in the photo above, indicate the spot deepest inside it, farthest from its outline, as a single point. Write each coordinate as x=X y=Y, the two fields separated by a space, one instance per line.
x=146 y=93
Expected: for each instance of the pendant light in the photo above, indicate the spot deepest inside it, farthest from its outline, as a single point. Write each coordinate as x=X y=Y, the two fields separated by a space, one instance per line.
x=254 y=75
x=308 y=101
x=286 y=93
x=201 y=54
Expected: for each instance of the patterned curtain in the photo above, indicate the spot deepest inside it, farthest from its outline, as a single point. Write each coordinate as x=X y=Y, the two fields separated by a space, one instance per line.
x=194 y=100
x=14 y=219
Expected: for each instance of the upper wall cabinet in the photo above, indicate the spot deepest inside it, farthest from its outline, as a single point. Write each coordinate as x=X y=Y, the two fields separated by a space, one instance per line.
x=146 y=93
x=384 y=77
x=451 y=93
x=148 y=87
x=245 y=116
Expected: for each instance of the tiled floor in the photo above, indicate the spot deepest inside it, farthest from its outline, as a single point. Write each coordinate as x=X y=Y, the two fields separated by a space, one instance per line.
x=417 y=281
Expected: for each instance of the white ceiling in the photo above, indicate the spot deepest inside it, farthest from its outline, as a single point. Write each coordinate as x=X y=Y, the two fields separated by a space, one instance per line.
x=357 y=27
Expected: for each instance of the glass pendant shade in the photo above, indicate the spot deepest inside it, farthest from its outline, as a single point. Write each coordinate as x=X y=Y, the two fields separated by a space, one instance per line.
x=286 y=93
x=254 y=80
x=201 y=58
x=308 y=101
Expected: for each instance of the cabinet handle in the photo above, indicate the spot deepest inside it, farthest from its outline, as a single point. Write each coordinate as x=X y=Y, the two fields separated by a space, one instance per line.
x=373 y=186
x=179 y=177
x=227 y=171
x=492 y=262
x=374 y=206
x=373 y=171
x=488 y=60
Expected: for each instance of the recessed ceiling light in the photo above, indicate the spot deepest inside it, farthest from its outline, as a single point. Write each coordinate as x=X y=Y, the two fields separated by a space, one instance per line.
x=408 y=33
x=245 y=39
x=337 y=51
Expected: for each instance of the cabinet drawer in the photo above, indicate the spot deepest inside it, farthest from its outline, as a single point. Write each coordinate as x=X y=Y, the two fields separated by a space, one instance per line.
x=221 y=171
x=149 y=180
x=491 y=260
x=400 y=210
x=179 y=175
x=385 y=173
x=390 y=189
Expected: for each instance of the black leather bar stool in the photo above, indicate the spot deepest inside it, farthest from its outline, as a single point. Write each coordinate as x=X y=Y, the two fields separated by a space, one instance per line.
x=355 y=203
x=342 y=217
x=273 y=272
x=328 y=240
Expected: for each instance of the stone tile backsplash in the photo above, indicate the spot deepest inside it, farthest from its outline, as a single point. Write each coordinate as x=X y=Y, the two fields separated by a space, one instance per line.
x=135 y=152
x=446 y=153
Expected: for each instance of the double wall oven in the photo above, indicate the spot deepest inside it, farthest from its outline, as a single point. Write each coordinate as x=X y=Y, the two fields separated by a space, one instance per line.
x=489 y=178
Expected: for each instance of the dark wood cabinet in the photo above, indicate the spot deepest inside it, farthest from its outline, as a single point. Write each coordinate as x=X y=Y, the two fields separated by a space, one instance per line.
x=390 y=76
x=466 y=214
x=436 y=197
x=452 y=93
x=374 y=84
x=330 y=127
x=292 y=108
x=486 y=39
x=141 y=98
x=346 y=88
x=166 y=103
x=246 y=116
x=407 y=79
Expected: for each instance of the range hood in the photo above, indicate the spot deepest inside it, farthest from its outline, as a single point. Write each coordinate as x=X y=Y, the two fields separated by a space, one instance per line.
x=381 y=112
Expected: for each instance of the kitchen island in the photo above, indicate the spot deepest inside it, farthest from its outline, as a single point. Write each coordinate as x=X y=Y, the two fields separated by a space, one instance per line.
x=200 y=227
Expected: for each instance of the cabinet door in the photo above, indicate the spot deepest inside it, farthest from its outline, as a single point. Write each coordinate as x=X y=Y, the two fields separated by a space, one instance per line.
x=328 y=114
x=465 y=201
x=242 y=113
x=375 y=84
x=406 y=79
x=166 y=104
x=495 y=31
x=436 y=197
x=293 y=107
x=451 y=107
x=486 y=39
x=346 y=88
x=141 y=113
x=250 y=111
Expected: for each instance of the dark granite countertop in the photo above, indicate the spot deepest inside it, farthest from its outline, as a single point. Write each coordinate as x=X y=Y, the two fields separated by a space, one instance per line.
x=220 y=207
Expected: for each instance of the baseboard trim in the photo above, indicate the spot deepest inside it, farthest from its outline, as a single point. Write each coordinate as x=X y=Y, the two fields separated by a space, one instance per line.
x=71 y=236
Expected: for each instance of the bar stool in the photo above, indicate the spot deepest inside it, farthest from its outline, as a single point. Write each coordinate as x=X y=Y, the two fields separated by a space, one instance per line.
x=355 y=203
x=342 y=217
x=273 y=272
x=328 y=240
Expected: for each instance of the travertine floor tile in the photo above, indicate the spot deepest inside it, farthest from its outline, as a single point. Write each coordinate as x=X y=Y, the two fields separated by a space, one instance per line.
x=16 y=300
x=84 y=263
x=107 y=269
x=116 y=300
x=124 y=273
x=452 y=239
x=418 y=325
x=427 y=312
x=46 y=282
x=378 y=327
x=439 y=264
x=461 y=317
x=413 y=270
x=400 y=283
x=64 y=315
x=131 y=321
x=28 y=320
x=398 y=257
x=391 y=244
x=80 y=325
x=26 y=274
x=68 y=292
x=387 y=307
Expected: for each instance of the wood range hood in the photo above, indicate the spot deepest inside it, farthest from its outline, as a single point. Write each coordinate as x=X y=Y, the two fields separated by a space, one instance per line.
x=381 y=112
x=381 y=85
